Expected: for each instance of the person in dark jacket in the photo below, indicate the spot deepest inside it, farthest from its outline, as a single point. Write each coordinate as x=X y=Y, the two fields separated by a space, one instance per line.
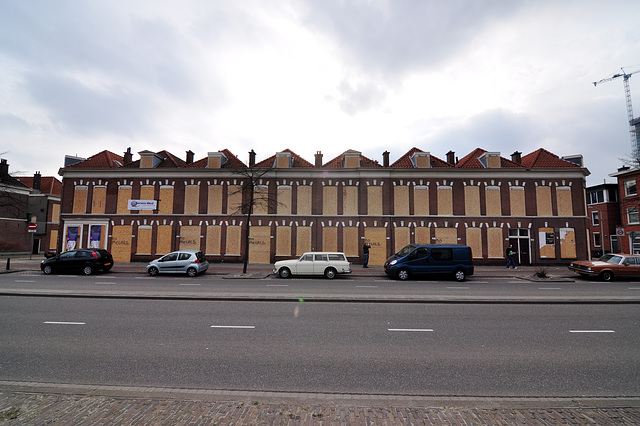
x=510 y=261
x=365 y=250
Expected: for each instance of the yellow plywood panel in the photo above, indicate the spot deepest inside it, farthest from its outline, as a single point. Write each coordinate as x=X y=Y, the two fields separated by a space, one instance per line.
x=567 y=243
x=233 y=241
x=472 y=200
x=214 y=199
x=121 y=243
x=446 y=235
x=495 y=243
x=190 y=237
x=474 y=240
x=330 y=238
x=147 y=192
x=99 y=200
x=493 y=202
x=234 y=199
x=374 y=201
x=402 y=237
x=213 y=239
x=284 y=200
x=547 y=242
x=53 y=239
x=191 y=199
x=144 y=241
x=303 y=239
x=421 y=201
x=261 y=200
x=445 y=201
x=377 y=237
x=80 y=199
x=165 y=205
x=124 y=195
x=55 y=213
x=330 y=200
x=164 y=238
x=543 y=200
x=517 y=201
x=423 y=235
x=350 y=200
x=283 y=241
x=401 y=200
x=350 y=241
x=351 y=162
x=565 y=203
x=303 y=203
x=260 y=245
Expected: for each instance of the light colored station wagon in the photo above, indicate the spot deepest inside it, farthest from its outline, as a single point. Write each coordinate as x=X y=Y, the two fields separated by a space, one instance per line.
x=328 y=264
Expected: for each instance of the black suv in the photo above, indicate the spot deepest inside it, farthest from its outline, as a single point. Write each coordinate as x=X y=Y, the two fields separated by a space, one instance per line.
x=86 y=261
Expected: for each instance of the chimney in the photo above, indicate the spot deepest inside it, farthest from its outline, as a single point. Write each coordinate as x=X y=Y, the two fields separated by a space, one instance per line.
x=385 y=159
x=516 y=157
x=37 y=180
x=189 y=157
x=451 y=158
x=128 y=156
x=318 y=159
x=252 y=158
x=4 y=168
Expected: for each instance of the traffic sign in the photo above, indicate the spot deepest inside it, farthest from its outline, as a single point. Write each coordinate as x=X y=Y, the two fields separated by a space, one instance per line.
x=33 y=227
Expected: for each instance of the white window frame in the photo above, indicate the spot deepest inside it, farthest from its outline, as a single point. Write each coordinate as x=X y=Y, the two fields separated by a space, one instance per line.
x=595 y=218
x=630 y=211
x=597 y=241
x=628 y=184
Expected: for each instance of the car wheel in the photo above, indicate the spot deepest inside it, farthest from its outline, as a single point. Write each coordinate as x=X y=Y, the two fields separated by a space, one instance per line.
x=87 y=270
x=403 y=274
x=153 y=271
x=47 y=270
x=330 y=273
x=606 y=276
x=284 y=273
x=192 y=272
x=460 y=275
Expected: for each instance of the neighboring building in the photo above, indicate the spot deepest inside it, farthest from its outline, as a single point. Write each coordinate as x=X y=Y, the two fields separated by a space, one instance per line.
x=14 y=213
x=603 y=211
x=44 y=210
x=629 y=231
x=534 y=202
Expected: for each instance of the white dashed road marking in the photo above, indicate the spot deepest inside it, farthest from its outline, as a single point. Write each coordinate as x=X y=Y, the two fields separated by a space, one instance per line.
x=410 y=329
x=64 y=323
x=234 y=326
x=591 y=331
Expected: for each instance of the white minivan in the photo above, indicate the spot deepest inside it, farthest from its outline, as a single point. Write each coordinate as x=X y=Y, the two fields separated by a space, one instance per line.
x=328 y=264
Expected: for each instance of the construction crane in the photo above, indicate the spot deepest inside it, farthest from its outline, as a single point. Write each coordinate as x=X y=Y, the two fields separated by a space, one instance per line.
x=634 y=134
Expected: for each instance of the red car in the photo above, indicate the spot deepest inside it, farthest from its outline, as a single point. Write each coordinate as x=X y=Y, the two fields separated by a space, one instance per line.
x=608 y=266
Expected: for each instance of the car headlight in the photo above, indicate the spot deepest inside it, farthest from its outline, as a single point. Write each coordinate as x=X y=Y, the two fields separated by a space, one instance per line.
x=393 y=262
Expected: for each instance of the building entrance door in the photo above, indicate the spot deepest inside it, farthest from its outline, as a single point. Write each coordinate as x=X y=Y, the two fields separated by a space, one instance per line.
x=521 y=243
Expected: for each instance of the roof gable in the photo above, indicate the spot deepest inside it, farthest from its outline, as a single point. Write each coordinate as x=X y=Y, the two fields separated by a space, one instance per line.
x=102 y=160
x=545 y=159
x=471 y=161
x=297 y=161
x=338 y=162
x=405 y=162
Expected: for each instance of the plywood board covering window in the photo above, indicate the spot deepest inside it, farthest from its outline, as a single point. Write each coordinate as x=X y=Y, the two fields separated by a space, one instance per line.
x=233 y=240
x=303 y=202
x=99 y=199
x=423 y=235
x=446 y=236
x=191 y=199
x=547 y=244
x=401 y=200
x=214 y=199
x=234 y=199
x=303 y=239
x=472 y=200
x=350 y=200
x=493 y=202
x=55 y=213
x=350 y=241
x=80 y=199
x=164 y=238
x=283 y=241
x=330 y=200
x=189 y=237
x=374 y=200
x=284 y=199
x=213 y=239
x=517 y=201
x=402 y=237
x=124 y=195
x=445 y=201
x=567 y=243
x=565 y=202
x=121 y=243
x=260 y=245
x=495 y=241
x=543 y=200
x=144 y=240
x=165 y=206
x=147 y=192
x=330 y=238
x=421 y=201
x=260 y=197
x=474 y=240
x=53 y=239
x=377 y=237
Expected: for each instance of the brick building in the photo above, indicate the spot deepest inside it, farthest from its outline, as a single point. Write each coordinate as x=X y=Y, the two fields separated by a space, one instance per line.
x=534 y=202
x=14 y=213
x=603 y=211
x=629 y=230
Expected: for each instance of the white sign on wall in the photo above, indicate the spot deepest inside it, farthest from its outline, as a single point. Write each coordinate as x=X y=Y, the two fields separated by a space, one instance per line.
x=142 y=204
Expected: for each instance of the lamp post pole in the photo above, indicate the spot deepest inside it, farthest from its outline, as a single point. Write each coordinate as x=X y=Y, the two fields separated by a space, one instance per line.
x=602 y=238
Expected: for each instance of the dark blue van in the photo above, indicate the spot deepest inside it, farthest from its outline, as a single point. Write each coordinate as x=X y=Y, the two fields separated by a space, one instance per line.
x=431 y=259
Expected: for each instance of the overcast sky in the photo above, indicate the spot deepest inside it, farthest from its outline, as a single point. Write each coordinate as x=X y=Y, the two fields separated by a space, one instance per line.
x=77 y=77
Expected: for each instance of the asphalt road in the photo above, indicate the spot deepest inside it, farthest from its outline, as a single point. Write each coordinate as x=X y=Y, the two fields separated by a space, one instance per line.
x=397 y=349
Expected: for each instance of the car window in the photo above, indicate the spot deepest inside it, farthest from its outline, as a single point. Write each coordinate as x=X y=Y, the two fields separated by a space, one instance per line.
x=405 y=251
x=83 y=253
x=170 y=257
x=307 y=258
x=200 y=256
x=184 y=256
x=320 y=257
x=68 y=254
x=336 y=256
x=419 y=253
x=442 y=253
x=630 y=261
x=611 y=259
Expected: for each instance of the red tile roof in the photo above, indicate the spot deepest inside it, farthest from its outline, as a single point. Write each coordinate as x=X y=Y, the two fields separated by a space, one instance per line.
x=168 y=160
x=338 y=162
x=404 y=162
x=232 y=162
x=545 y=160
x=48 y=184
x=297 y=161
x=102 y=160
x=470 y=161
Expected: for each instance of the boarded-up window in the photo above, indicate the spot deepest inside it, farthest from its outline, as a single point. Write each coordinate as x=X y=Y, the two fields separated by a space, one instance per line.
x=214 y=199
x=330 y=238
x=121 y=243
x=99 y=199
x=401 y=200
x=233 y=241
x=350 y=200
x=124 y=195
x=423 y=235
x=516 y=201
x=147 y=192
x=165 y=205
x=189 y=237
x=421 y=201
x=213 y=239
x=495 y=241
x=402 y=237
x=474 y=240
x=260 y=245
x=493 y=202
x=547 y=243
x=80 y=199
x=446 y=235
x=284 y=199
x=260 y=199
x=330 y=200
x=377 y=237
x=303 y=239
x=567 y=243
x=445 y=200
x=53 y=239
x=55 y=213
x=283 y=241
x=144 y=240
x=565 y=203
x=164 y=238
x=350 y=241
x=472 y=200
x=191 y=199
x=543 y=200
x=374 y=201
x=303 y=202
x=234 y=199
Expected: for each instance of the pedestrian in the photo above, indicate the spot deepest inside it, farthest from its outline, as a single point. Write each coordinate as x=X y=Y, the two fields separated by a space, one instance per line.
x=510 y=260
x=365 y=250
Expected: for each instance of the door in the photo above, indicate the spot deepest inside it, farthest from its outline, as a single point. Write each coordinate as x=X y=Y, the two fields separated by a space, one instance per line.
x=418 y=261
x=520 y=242
x=168 y=263
x=304 y=265
x=320 y=263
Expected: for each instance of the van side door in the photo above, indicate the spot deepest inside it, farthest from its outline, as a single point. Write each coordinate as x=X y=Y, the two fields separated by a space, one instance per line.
x=418 y=261
x=441 y=259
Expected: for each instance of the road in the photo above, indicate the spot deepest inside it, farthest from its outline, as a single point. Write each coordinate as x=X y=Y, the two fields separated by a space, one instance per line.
x=366 y=348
